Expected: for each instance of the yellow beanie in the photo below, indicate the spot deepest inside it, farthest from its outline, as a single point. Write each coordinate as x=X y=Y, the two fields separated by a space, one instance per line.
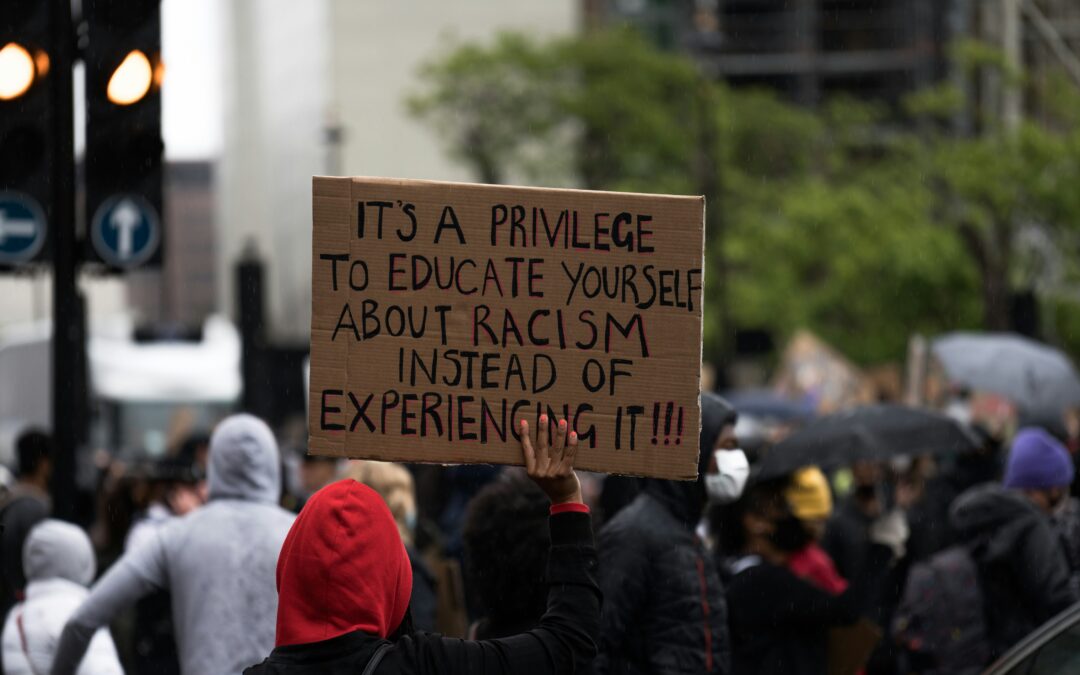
x=808 y=495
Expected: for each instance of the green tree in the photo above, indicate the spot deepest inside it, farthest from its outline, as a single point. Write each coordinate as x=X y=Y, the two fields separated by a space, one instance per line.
x=991 y=186
x=838 y=220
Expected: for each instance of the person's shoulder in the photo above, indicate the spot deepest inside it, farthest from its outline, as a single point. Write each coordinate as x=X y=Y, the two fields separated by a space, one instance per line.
x=24 y=504
x=752 y=578
x=761 y=569
x=635 y=517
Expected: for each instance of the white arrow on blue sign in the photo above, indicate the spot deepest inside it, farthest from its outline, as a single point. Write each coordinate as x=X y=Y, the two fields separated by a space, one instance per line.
x=125 y=230
x=22 y=228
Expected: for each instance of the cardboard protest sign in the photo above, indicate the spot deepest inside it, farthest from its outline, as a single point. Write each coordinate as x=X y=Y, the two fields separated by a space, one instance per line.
x=444 y=313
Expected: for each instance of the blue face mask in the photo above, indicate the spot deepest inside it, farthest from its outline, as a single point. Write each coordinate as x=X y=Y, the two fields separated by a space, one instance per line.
x=410 y=521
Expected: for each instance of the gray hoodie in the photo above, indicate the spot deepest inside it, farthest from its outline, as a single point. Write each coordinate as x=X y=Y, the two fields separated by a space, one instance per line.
x=218 y=562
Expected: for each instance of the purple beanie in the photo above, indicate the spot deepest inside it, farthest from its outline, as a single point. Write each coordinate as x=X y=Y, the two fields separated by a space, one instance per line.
x=1038 y=461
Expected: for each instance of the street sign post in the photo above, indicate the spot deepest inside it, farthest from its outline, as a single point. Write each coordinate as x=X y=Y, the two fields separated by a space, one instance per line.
x=125 y=231
x=22 y=228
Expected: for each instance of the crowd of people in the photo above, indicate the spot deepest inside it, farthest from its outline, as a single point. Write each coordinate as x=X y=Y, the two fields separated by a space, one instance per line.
x=224 y=558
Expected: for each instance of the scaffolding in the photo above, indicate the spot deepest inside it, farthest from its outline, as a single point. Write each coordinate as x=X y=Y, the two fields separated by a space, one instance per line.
x=811 y=49
x=870 y=49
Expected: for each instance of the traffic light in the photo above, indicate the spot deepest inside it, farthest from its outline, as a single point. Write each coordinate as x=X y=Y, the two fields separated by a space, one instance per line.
x=124 y=150
x=27 y=148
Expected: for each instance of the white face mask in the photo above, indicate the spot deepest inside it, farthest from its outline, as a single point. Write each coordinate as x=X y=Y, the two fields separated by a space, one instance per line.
x=733 y=470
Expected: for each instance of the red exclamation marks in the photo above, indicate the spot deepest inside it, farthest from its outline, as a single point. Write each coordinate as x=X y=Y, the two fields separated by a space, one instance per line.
x=655 y=421
x=678 y=438
x=667 y=422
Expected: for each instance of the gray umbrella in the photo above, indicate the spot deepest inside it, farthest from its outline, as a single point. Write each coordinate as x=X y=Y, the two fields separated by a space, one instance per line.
x=1037 y=378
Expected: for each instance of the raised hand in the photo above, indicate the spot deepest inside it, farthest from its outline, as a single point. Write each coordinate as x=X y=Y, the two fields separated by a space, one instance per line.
x=551 y=463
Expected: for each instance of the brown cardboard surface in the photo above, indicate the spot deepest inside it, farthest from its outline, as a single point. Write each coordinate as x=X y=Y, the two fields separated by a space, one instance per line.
x=540 y=343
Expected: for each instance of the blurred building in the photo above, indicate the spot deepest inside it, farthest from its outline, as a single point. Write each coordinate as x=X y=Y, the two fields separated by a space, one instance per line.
x=870 y=49
x=180 y=295
x=319 y=88
x=807 y=49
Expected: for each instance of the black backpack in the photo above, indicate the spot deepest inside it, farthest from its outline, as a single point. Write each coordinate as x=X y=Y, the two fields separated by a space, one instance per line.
x=941 y=620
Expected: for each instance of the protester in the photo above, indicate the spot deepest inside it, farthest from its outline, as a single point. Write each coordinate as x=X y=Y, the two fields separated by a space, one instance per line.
x=394 y=484
x=1040 y=466
x=217 y=561
x=810 y=500
x=945 y=622
x=929 y=516
x=1022 y=570
x=847 y=535
x=315 y=473
x=664 y=609
x=59 y=565
x=176 y=489
x=461 y=485
x=779 y=621
x=1065 y=522
x=506 y=547
x=28 y=505
x=344 y=580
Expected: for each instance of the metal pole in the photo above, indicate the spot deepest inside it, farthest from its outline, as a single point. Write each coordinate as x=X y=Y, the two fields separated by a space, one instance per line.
x=68 y=344
x=1011 y=39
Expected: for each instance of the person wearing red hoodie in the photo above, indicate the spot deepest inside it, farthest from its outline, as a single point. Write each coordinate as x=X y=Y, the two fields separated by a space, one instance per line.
x=344 y=582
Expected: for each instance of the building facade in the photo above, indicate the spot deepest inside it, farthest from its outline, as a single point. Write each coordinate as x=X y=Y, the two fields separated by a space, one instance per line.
x=320 y=88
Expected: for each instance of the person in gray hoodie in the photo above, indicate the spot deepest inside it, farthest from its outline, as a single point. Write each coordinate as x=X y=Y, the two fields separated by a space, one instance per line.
x=218 y=561
x=58 y=562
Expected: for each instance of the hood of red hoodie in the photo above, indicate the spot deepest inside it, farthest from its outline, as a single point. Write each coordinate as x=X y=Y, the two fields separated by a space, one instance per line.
x=342 y=568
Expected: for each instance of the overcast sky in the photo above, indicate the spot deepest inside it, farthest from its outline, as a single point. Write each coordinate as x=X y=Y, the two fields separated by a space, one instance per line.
x=192 y=43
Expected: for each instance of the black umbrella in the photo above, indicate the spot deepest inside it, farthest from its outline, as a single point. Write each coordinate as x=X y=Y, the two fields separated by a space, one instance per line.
x=875 y=432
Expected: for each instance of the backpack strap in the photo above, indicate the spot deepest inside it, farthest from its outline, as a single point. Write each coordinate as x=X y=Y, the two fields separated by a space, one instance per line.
x=376 y=659
x=23 y=644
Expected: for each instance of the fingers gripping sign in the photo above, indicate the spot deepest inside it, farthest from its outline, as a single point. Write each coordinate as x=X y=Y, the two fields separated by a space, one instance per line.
x=551 y=463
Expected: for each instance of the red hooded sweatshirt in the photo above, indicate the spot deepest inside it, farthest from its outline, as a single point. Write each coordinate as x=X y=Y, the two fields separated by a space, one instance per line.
x=342 y=568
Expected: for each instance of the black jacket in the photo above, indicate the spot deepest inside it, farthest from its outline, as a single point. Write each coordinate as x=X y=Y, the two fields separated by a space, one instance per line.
x=1022 y=570
x=847 y=539
x=931 y=532
x=664 y=610
x=780 y=623
x=563 y=642
x=26 y=509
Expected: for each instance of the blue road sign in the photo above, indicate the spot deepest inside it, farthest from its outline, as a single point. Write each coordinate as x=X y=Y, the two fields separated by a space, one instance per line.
x=125 y=230
x=22 y=228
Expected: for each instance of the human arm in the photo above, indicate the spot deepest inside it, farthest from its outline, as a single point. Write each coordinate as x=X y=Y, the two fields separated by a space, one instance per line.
x=1041 y=569
x=136 y=574
x=564 y=641
x=101 y=657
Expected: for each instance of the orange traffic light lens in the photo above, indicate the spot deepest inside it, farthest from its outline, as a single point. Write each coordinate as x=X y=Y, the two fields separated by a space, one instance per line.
x=16 y=71
x=131 y=80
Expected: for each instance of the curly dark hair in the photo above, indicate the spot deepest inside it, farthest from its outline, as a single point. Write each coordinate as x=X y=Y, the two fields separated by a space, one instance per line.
x=726 y=521
x=506 y=549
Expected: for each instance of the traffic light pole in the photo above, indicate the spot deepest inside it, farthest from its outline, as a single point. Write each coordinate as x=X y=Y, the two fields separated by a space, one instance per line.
x=69 y=333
